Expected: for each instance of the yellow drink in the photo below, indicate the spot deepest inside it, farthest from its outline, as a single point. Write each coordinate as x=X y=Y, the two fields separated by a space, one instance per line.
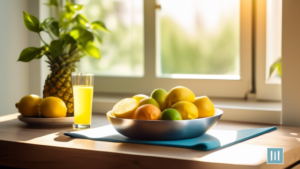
x=83 y=97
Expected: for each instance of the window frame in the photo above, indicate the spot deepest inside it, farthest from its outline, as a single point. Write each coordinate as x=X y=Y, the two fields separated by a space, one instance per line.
x=264 y=91
x=210 y=87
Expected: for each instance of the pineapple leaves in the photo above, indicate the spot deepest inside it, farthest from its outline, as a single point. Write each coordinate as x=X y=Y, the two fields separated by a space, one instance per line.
x=56 y=48
x=71 y=32
x=81 y=35
x=52 y=2
x=90 y=49
x=30 y=53
x=81 y=20
x=52 y=26
x=98 y=25
x=276 y=66
x=32 y=23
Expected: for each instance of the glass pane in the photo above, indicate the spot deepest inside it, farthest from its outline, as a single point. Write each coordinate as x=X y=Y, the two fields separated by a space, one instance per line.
x=199 y=39
x=273 y=48
x=123 y=49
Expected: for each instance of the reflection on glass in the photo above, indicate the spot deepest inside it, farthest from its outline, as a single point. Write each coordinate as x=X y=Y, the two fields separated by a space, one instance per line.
x=199 y=37
x=122 y=49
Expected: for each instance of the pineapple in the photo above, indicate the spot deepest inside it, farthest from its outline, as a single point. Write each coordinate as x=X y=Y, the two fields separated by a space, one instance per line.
x=72 y=37
x=58 y=82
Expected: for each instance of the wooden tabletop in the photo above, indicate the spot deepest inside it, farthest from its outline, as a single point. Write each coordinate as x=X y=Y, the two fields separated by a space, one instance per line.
x=46 y=147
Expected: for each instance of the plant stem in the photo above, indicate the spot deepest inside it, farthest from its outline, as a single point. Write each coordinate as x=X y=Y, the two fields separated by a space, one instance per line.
x=42 y=39
x=50 y=35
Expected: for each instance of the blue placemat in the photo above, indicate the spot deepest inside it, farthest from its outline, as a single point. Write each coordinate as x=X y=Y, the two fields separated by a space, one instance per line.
x=211 y=140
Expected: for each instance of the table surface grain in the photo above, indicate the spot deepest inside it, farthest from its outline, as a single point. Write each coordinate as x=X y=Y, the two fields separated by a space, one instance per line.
x=46 y=147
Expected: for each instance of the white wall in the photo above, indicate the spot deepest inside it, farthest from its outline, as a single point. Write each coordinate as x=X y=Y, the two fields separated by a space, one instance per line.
x=13 y=38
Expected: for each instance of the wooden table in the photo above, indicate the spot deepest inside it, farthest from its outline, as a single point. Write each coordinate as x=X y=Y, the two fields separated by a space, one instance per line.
x=46 y=147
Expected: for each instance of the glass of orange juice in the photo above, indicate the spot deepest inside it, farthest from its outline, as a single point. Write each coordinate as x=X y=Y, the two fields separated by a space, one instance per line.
x=83 y=88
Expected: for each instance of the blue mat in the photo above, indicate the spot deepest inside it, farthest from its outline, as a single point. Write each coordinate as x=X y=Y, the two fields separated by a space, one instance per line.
x=211 y=140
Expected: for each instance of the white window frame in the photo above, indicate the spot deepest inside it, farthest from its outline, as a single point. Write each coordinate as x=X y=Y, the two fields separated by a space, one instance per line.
x=210 y=87
x=264 y=91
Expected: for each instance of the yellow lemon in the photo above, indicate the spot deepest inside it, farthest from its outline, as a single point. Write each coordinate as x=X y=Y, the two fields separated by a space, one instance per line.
x=125 y=108
x=53 y=107
x=187 y=110
x=28 y=105
x=140 y=97
x=179 y=93
x=205 y=106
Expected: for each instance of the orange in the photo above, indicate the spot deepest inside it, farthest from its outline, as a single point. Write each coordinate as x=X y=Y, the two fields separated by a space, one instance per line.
x=205 y=106
x=147 y=112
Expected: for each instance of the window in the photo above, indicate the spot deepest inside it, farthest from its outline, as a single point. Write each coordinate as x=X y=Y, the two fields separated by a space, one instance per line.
x=206 y=48
x=268 y=48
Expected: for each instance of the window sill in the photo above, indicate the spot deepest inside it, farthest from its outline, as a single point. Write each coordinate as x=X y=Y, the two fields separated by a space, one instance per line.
x=234 y=109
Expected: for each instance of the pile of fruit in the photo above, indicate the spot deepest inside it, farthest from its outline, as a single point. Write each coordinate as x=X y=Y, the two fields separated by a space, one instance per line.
x=35 y=106
x=179 y=103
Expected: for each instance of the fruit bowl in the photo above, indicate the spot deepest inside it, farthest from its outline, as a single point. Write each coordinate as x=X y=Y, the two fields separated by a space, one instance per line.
x=164 y=129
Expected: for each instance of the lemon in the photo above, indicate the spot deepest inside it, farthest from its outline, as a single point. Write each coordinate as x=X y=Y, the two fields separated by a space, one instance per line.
x=140 y=97
x=179 y=93
x=187 y=109
x=125 y=108
x=28 y=105
x=53 y=107
x=205 y=106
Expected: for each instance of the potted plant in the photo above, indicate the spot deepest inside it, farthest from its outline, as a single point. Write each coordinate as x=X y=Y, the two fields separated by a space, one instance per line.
x=72 y=37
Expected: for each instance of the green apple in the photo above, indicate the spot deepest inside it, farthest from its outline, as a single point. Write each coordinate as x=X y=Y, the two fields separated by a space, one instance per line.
x=160 y=95
x=148 y=101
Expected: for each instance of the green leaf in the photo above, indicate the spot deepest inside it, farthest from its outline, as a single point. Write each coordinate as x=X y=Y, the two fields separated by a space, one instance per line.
x=81 y=35
x=81 y=20
x=52 y=2
x=29 y=54
x=279 y=69
x=98 y=25
x=98 y=38
x=56 y=48
x=78 y=7
x=32 y=23
x=52 y=26
x=68 y=39
x=91 y=50
x=274 y=66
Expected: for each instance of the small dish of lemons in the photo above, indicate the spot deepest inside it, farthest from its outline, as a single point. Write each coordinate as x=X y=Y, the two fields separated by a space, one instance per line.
x=50 y=111
x=177 y=114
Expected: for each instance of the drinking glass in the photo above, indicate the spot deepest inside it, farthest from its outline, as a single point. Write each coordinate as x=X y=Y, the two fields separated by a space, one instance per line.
x=83 y=87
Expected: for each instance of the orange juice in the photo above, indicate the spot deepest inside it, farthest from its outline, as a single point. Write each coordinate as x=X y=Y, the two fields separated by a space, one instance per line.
x=83 y=97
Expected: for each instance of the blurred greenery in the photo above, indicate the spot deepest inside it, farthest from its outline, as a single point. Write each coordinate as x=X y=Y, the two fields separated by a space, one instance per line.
x=184 y=54
x=123 y=49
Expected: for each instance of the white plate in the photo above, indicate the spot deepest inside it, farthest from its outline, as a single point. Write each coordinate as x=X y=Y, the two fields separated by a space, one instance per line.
x=47 y=121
